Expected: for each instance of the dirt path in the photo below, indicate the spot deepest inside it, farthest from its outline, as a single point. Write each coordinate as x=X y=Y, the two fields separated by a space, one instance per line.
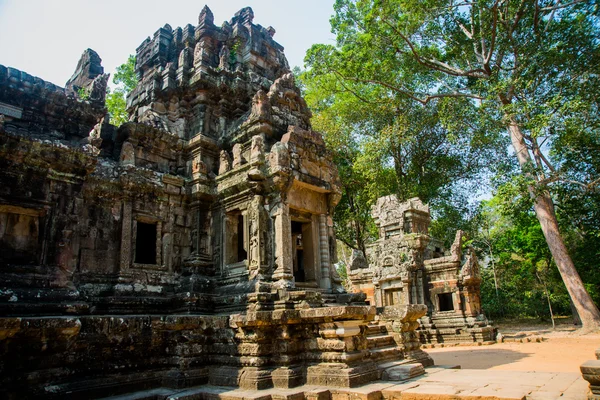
x=561 y=352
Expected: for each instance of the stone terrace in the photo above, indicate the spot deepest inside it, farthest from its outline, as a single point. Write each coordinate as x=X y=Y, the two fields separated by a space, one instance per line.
x=438 y=384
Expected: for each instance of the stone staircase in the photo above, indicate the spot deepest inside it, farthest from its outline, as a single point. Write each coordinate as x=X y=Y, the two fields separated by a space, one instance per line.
x=381 y=344
x=389 y=357
x=394 y=362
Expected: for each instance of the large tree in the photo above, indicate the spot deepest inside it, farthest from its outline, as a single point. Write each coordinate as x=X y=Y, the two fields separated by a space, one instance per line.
x=530 y=65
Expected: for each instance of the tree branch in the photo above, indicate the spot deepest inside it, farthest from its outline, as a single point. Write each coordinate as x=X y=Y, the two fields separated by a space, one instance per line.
x=426 y=99
x=486 y=62
x=559 y=6
x=432 y=63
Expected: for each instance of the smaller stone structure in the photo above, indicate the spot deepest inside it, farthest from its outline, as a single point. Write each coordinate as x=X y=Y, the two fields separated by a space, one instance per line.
x=407 y=266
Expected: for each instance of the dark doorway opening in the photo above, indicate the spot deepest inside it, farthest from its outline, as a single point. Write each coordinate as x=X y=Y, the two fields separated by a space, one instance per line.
x=445 y=301
x=145 y=243
x=242 y=254
x=298 y=252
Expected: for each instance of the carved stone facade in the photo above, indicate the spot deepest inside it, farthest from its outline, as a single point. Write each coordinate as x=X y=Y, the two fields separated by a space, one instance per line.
x=407 y=266
x=192 y=245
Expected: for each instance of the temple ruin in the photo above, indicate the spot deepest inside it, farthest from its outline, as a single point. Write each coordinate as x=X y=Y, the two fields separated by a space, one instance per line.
x=407 y=266
x=192 y=245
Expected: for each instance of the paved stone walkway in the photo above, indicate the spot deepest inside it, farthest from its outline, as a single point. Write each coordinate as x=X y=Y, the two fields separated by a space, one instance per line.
x=438 y=383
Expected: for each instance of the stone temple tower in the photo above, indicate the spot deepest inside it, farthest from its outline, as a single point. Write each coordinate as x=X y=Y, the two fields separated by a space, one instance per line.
x=261 y=183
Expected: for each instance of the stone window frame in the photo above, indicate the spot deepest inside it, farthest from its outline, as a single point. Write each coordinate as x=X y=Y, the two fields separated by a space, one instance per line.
x=229 y=266
x=392 y=296
x=32 y=211
x=146 y=219
x=438 y=302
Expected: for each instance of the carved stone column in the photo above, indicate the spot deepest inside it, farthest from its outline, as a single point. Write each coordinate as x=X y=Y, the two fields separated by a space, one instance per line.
x=324 y=246
x=420 y=293
x=414 y=299
x=342 y=350
x=283 y=250
x=404 y=322
x=406 y=288
x=257 y=222
x=126 y=236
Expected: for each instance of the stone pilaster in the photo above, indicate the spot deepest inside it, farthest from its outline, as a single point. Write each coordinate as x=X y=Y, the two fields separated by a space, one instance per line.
x=126 y=236
x=413 y=294
x=419 y=284
x=283 y=273
x=403 y=321
x=257 y=243
x=324 y=246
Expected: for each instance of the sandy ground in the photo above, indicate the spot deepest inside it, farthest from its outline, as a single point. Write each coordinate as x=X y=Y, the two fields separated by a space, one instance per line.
x=563 y=350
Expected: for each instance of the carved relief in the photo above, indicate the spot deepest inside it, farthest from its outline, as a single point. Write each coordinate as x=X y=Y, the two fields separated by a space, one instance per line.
x=127 y=154
x=258 y=228
x=257 y=149
x=198 y=166
x=238 y=158
x=261 y=107
x=224 y=58
x=224 y=162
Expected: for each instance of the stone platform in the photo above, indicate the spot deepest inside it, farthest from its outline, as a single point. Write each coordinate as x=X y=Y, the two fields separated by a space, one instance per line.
x=439 y=383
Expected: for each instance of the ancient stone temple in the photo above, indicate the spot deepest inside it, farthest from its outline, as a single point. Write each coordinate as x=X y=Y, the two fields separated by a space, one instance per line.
x=193 y=245
x=407 y=266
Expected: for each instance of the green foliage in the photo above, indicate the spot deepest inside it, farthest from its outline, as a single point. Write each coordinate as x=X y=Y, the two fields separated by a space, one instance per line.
x=235 y=48
x=486 y=63
x=83 y=93
x=384 y=143
x=125 y=75
x=126 y=79
x=116 y=106
x=477 y=69
x=509 y=239
x=513 y=244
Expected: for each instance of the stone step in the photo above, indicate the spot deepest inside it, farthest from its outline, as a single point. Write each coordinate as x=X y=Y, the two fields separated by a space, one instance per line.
x=152 y=394
x=329 y=298
x=403 y=372
x=385 y=353
x=376 y=329
x=382 y=340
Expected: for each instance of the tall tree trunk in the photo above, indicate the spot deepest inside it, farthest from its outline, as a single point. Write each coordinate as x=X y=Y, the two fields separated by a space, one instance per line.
x=546 y=215
x=576 y=319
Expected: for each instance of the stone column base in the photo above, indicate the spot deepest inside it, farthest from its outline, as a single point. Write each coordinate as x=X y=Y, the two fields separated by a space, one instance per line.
x=288 y=377
x=591 y=373
x=253 y=378
x=340 y=375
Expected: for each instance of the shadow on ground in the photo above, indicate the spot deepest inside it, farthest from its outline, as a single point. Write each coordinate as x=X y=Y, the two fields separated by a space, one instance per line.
x=476 y=359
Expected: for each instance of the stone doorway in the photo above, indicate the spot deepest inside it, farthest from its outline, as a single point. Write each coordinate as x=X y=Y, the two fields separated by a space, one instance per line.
x=303 y=252
x=445 y=302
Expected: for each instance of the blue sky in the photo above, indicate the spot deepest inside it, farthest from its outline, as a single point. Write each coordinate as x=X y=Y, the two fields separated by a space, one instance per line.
x=45 y=38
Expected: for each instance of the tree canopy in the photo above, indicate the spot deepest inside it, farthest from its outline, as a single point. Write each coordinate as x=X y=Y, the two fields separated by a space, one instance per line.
x=527 y=68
